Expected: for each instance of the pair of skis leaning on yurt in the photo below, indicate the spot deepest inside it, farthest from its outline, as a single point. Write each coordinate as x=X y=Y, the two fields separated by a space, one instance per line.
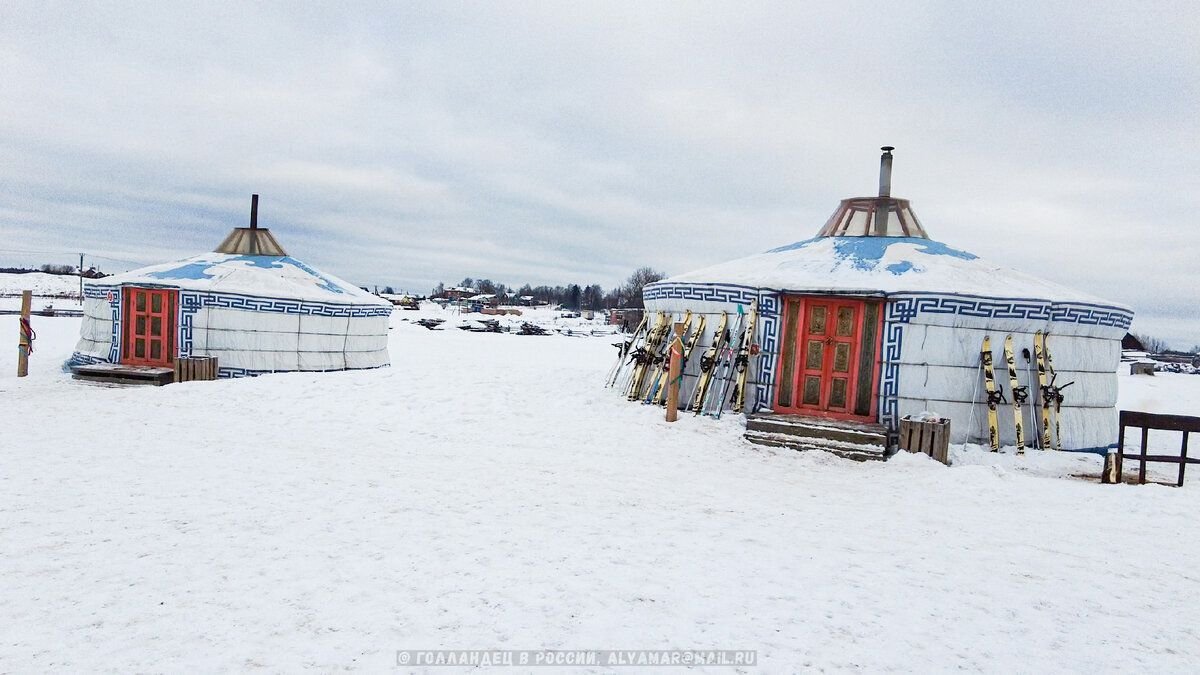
x=872 y=320
x=249 y=304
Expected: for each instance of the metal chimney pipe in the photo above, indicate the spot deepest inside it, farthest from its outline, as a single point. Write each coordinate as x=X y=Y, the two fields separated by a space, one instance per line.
x=885 y=171
x=254 y=212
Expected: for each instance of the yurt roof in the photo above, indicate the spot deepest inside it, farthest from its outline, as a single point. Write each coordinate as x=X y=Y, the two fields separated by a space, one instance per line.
x=255 y=275
x=248 y=262
x=877 y=246
x=881 y=265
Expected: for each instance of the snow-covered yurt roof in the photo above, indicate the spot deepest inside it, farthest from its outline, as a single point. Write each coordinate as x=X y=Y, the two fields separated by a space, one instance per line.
x=881 y=266
x=259 y=275
x=248 y=262
x=876 y=246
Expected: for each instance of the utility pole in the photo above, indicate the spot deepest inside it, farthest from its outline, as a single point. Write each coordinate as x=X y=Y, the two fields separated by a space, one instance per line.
x=80 y=279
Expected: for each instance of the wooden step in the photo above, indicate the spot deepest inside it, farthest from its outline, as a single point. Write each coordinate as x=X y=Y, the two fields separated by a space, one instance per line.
x=122 y=374
x=853 y=440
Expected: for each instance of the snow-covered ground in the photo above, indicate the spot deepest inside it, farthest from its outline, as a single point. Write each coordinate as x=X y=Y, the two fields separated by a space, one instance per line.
x=487 y=492
x=40 y=283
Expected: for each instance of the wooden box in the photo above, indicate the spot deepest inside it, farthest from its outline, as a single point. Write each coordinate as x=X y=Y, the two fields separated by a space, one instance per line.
x=930 y=438
x=195 y=368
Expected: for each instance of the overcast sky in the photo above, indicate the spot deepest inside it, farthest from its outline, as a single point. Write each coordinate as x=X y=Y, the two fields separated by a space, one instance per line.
x=548 y=142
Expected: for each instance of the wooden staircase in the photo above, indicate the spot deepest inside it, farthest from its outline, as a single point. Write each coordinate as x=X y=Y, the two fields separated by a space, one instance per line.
x=852 y=440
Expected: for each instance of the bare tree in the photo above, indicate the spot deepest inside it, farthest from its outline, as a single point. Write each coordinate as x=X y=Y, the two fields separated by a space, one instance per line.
x=1153 y=344
x=632 y=291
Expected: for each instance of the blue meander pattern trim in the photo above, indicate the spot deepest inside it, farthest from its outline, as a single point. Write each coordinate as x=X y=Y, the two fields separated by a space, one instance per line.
x=909 y=305
x=733 y=294
x=114 y=351
x=253 y=303
x=223 y=372
x=889 y=376
x=78 y=359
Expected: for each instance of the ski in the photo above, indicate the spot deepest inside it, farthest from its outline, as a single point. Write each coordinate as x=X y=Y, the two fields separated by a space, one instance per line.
x=688 y=345
x=708 y=362
x=623 y=349
x=1053 y=395
x=1019 y=393
x=1033 y=417
x=742 y=363
x=662 y=368
x=995 y=393
x=1039 y=355
x=729 y=365
x=724 y=363
x=643 y=357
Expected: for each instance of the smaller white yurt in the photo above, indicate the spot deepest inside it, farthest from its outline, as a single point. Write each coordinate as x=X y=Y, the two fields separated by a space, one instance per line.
x=249 y=304
x=872 y=320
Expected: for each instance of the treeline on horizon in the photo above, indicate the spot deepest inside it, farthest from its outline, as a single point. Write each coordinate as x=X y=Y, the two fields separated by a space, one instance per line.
x=61 y=270
x=570 y=296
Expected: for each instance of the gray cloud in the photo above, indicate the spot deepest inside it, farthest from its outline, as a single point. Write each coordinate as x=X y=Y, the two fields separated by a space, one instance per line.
x=553 y=143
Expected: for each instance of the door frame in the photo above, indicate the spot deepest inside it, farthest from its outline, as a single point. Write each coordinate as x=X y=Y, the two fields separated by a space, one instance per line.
x=791 y=346
x=169 y=316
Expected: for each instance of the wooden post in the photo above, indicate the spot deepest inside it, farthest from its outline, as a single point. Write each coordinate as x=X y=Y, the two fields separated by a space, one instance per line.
x=673 y=374
x=23 y=342
x=1111 y=473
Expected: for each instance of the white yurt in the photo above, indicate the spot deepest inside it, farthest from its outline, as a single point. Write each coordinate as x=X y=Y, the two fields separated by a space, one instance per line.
x=872 y=320
x=249 y=304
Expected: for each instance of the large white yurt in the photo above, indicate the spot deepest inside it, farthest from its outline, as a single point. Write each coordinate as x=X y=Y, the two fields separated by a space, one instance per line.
x=872 y=320
x=249 y=304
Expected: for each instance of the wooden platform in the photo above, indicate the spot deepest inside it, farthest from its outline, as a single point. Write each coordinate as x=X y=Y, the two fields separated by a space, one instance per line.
x=852 y=440
x=116 y=373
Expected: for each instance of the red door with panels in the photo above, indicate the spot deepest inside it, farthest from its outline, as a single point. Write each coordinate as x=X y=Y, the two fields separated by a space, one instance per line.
x=829 y=358
x=149 y=327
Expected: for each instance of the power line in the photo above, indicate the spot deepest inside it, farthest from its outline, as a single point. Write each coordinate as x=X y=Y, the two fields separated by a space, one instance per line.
x=72 y=254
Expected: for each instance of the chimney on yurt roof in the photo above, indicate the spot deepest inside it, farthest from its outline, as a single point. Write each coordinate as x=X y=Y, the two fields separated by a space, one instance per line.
x=251 y=240
x=882 y=216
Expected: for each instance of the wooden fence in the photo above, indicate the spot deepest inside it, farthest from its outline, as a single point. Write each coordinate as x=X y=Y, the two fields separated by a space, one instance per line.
x=1146 y=422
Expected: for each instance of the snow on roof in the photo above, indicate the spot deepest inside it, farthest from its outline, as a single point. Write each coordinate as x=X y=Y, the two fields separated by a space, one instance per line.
x=482 y=296
x=885 y=265
x=461 y=289
x=255 y=275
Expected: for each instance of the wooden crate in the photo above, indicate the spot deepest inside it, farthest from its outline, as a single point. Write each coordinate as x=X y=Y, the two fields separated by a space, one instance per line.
x=930 y=438
x=195 y=368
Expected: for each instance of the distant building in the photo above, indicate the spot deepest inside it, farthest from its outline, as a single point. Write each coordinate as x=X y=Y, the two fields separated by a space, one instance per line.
x=459 y=292
x=485 y=299
x=1132 y=343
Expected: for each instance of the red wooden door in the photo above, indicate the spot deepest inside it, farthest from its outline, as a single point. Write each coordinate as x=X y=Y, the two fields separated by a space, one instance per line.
x=827 y=363
x=149 y=327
